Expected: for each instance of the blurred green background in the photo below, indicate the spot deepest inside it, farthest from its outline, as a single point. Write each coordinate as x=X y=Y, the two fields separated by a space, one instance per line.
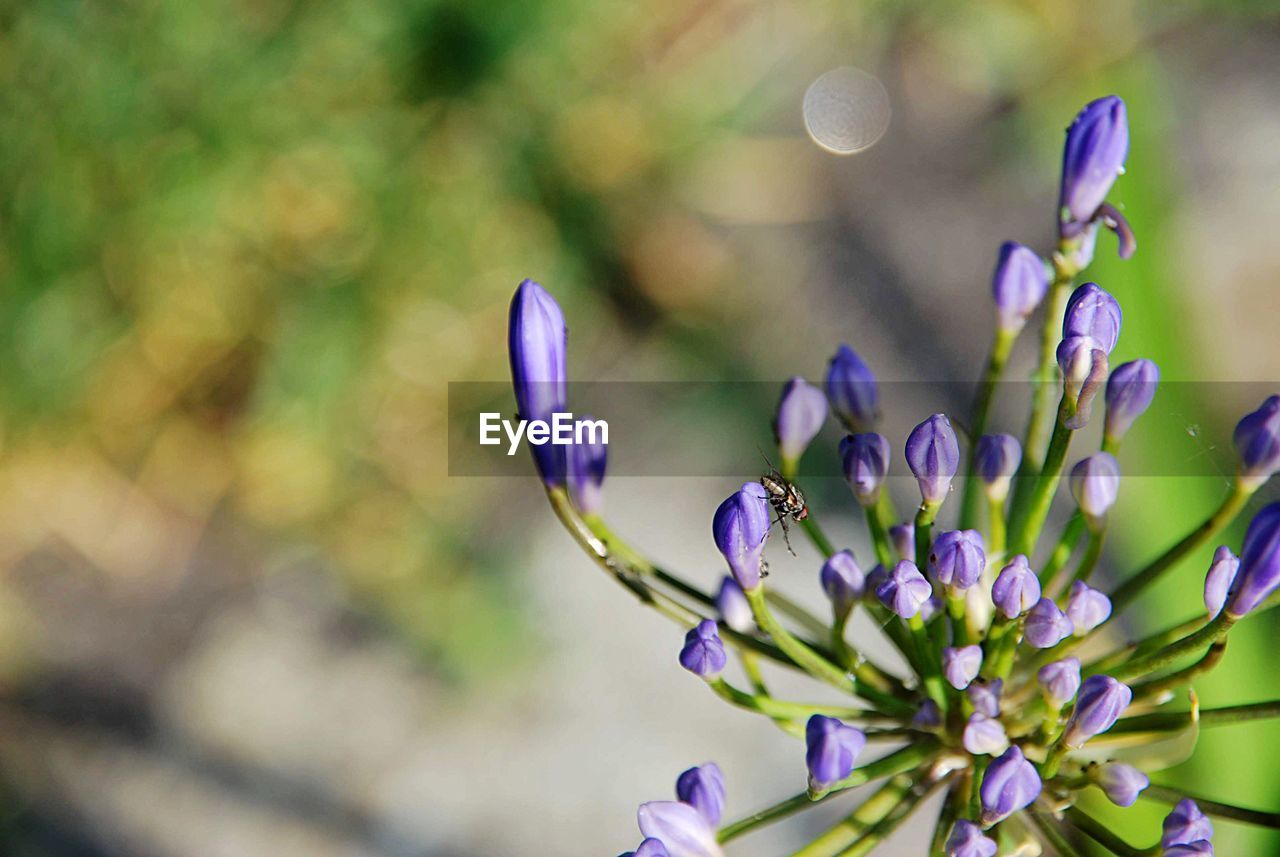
x=244 y=246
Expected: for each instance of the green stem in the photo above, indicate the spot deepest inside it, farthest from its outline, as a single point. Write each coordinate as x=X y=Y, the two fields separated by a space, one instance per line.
x=1026 y=528
x=997 y=533
x=871 y=840
x=1046 y=365
x=925 y=517
x=946 y=818
x=815 y=534
x=1092 y=551
x=766 y=816
x=1001 y=345
x=1169 y=721
x=1052 y=833
x=931 y=668
x=778 y=708
x=1210 y=660
x=1212 y=633
x=1063 y=549
x=1213 y=807
x=1141 y=647
x=861 y=821
x=1104 y=836
x=878 y=524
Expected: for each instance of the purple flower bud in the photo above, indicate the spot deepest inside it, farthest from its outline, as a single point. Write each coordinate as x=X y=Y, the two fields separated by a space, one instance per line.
x=831 y=749
x=1018 y=285
x=1059 y=681
x=702 y=787
x=703 y=653
x=1093 y=312
x=586 y=465
x=958 y=558
x=1010 y=784
x=984 y=696
x=866 y=461
x=903 y=537
x=852 y=391
x=905 y=590
x=1122 y=783
x=1087 y=608
x=679 y=827
x=732 y=604
x=933 y=454
x=1097 y=144
x=1016 y=588
x=961 y=665
x=1259 y=573
x=649 y=848
x=984 y=736
x=1199 y=848
x=1095 y=484
x=1084 y=369
x=1218 y=582
x=740 y=526
x=801 y=412
x=537 y=342
x=843 y=581
x=1099 y=705
x=931 y=607
x=966 y=840
x=875 y=577
x=1130 y=390
x=1185 y=824
x=996 y=460
x=1257 y=442
x=1046 y=625
x=928 y=717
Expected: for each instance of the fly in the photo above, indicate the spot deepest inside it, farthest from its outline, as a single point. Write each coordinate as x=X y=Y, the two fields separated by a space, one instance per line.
x=787 y=501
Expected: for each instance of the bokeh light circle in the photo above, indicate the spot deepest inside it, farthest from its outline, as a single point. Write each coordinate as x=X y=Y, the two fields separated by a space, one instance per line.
x=846 y=110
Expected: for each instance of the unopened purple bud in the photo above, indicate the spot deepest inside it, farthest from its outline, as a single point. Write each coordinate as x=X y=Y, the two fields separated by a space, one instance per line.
x=703 y=653
x=1010 y=784
x=1095 y=484
x=831 y=749
x=801 y=412
x=903 y=537
x=984 y=696
x=928 y=717
x=1018 y=285
x=1257 y=442
x=1130 y=390
x=866 y=462
x=1059 y=681
x=679 y=827
x=843 y=581
x=966 y=840
x=536 y=344
x=1046 y=625
x=702 y=787
x=1084 y=369
x=932 y=606
x=740 y=526
x=875 y=578
x=1087 y=608
x=1219 y=580
x=996 y=460
x=1093 y=312
x=1199 y=848
x=1122 y=783
x=958 y=558
x=1184 y=824
x=1101 y=701
x=984 y=736
x=734 y=609
x=586 y=466
x=1016 y=588
x=905 y=590
x=649 y=848
x=852 y=391
x=1259 y=573
x=933 y=454
x=1097 y=145
x=960 y=665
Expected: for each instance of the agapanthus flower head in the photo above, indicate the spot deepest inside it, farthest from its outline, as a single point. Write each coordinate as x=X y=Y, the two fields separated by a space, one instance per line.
x=905 y=590
x=1019 y=284
x=1184 y=824
x=1087 y=608
x=1046 y=625
x=586 y=463
x=731 y=603
x=958 y=558
x=933 y=454
x=702 y=787
x=865 y=460
x=1016 y=589
x=996 y=460
x=537 y=342
x=852 y=391
x=831 y=749
x=1122 y=783
x=682 y=830
x=843 y=581
x=703 y=653
x=1009 y=784
x=1093 y=157
x=1101 y=701
x=650 y=847
x=1095 y=485
x=960 y=665
x=1257 y=442
x=984 y=696
x=802 y=409
x=1084 y=369
x=1093 y=312
x=903 y=537
x=966 y=840
x=1220 y=579
x=1259 y=573
x=984 y=736
x=1130 y=390
x=1060 y=681
x=740 y=527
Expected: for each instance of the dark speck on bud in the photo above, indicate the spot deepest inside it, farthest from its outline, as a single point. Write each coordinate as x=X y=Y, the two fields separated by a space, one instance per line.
x=1010 y=784
x=1096 y=148
x=1016 y=588
x=865 y=458
x=734 y=609
x=1087 y=608
x=703 y=654
x=702 y=787
x=740 y=527
x=960 y=665
x=996 y=460
x=1101 y=701
x=1130 y=390
x=1184 y=824
x=1093 y=312
x=1219 y=580
x=801 y=412
x=958 y=558
x=966 y=840
x=984 y=696
x=852 y=391
x=905 y=590
x=1084 y=369
x=831 y=749
x=1122 y=783
x=843 y=581
x=586 y=467
x=1259 y=573
x=1046 y=625
x=1018 y=285
x=933 y=454
x=1059 y=681
x=1257 y=442
x=536 y=344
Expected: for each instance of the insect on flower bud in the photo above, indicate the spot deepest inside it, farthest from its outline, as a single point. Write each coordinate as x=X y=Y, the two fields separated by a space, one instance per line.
x=703 y=653
x=1018 y=285
x=1219 y=580
x=1130 y=390
x=702 y=787
x=536 y=344
x=984 y=696
x=1257 y=442
x=996 y=460
x=1095 y=484
x=831 y=749
x=740 y=527
x=1259 y=573
x=1087 y=608
x=958 y=558
x=1084 y=369
x=1046 y=625
x=843 y=581
x=905 y=590
x=731 y=602
x=852 y=391
x=1010 y=784
x=1185 y=824
x=960 y=665
x=865 y=458
x=933 y=454
x=1016 y=588
x=966 y=840
x=679 y=827
x=903 y=537
x=586 y=466
x=1122 y=783
x=1099 y=705
x=649 y=848
x=984 y=736
x=1093 y=157
x=1059 y=681
x=801 y=412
